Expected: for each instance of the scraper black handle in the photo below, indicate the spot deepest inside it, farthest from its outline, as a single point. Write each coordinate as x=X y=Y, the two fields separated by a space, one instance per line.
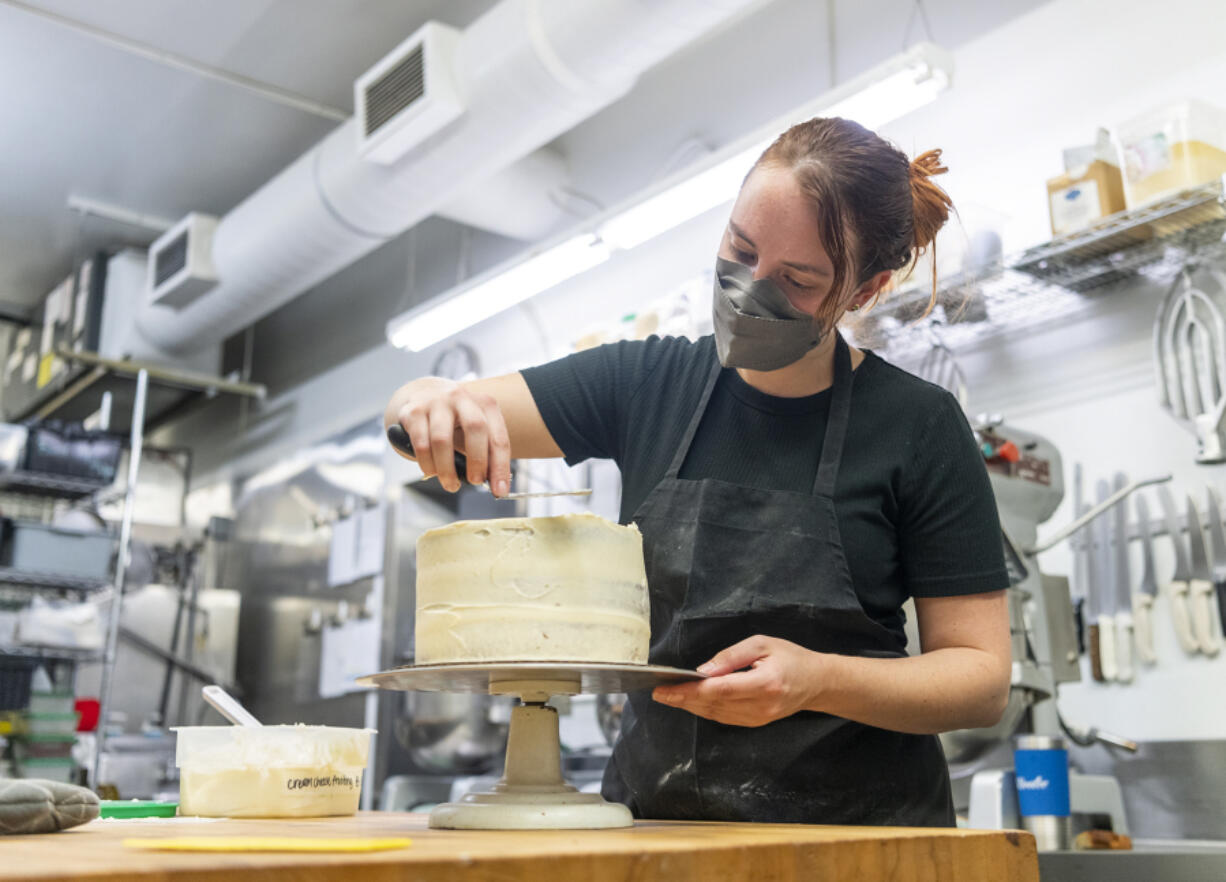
x=399 y=439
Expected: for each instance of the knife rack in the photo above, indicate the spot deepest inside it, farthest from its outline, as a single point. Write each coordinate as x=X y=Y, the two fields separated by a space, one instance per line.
x=1158 y=526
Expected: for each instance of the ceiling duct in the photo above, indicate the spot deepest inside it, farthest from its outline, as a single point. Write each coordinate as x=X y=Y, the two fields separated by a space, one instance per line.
x=409 y=95
x=181 y=262
x=527 y=71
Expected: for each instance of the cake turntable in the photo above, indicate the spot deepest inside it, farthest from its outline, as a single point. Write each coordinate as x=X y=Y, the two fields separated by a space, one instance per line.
x=532 y=793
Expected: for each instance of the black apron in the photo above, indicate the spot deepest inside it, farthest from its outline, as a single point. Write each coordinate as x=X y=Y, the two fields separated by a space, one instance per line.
x=726 y=562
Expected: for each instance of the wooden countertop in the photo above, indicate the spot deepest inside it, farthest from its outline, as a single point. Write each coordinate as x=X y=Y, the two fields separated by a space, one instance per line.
x=668 y=850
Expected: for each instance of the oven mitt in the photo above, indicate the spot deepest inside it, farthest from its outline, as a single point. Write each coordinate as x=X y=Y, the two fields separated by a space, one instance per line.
x=31 y=805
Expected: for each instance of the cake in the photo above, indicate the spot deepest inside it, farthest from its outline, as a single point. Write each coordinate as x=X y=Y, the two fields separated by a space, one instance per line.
x=568 y=588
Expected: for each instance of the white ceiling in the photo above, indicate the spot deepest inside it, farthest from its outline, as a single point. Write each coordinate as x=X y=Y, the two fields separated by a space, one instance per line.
x=81 y=117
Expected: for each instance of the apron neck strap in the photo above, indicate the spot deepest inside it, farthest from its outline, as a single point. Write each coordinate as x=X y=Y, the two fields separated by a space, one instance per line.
x=683 y=449
x=836 y=423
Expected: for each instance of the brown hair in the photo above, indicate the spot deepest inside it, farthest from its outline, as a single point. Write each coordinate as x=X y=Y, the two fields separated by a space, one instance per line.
x=876 y=209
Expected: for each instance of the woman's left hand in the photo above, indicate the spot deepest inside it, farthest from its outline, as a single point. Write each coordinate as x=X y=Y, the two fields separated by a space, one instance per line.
x=783 y=678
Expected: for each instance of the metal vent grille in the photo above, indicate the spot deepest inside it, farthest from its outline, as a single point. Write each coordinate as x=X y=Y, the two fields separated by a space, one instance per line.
x=170 y=260
x=395 y=90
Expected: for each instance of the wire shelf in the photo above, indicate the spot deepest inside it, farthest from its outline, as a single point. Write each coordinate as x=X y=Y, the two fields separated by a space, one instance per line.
x=45 y=485
x=53 y=653
x=1052 y=281
x=12 y=578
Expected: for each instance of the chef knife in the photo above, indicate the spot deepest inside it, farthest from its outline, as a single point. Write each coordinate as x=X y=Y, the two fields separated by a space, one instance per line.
x=1177 y=587
x=399 y=439
x=1093 y=578
x=1105 y=588
x=1143 y=600
x=1123 y=587
x=1217 y=545
x=1201 y=585
x=1079 y=545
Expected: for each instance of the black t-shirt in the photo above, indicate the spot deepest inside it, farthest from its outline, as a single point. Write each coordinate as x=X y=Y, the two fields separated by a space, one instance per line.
x=915 y=508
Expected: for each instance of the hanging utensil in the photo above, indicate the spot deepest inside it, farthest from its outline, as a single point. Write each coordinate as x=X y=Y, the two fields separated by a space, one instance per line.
x=399 y=439
x=1105 y=588
x=1200 y=586
x=1190 y=356
x=1143 y=600
x=1217 y=546
x=940 y=366
x=1079 y=544
x=227 y=705
x=1177 y=587
x=1123 y=587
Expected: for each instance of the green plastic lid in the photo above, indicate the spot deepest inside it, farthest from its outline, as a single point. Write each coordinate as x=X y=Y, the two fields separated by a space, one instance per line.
x=135 y=808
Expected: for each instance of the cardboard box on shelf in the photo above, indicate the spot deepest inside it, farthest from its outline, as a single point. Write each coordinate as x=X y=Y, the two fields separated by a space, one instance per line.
x=1078 y=199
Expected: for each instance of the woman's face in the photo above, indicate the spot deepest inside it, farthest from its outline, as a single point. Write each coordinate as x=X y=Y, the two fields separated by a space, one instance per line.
x=773 y=231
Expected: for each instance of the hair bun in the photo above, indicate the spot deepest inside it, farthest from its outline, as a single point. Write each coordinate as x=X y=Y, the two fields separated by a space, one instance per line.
x=927 y=164
x=930 y=205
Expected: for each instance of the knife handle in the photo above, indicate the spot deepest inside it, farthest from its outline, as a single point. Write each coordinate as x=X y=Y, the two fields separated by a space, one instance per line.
x=1106 y=647
x=1079 y=622
x=1143 y=621
x=1123 y=648
x=1096 y=664
x=1202 y=616
x=1181 y=617
x=1221 y=604
x=399 y=438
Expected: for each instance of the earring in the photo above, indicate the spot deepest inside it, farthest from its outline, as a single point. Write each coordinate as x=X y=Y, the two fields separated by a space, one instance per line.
x=855 y=307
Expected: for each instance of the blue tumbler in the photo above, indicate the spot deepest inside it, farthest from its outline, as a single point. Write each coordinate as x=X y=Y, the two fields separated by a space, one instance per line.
x=1041 y=765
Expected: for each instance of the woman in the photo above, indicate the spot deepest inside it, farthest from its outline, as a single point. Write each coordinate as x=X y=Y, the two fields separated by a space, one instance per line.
x=792 y=493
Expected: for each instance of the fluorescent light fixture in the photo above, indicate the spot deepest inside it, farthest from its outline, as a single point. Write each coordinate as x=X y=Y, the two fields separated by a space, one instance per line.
x=905 y=84
x=493 y=292
x=892 y=89
x=688 y=199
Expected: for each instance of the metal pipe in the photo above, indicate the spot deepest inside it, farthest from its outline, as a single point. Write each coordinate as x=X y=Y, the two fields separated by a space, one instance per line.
x=121 y=566
x=173 y=660
x=1094 y=512
x=106 y=211
x=206 y=383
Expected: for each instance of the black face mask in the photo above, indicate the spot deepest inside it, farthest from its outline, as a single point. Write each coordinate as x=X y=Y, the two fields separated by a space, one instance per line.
x=756 y=326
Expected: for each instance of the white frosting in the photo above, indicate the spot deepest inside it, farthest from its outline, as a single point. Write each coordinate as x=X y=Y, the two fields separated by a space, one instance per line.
x=568 y=588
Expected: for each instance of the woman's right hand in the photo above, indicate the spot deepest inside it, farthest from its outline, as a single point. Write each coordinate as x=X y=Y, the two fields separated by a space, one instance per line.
x=442 y=416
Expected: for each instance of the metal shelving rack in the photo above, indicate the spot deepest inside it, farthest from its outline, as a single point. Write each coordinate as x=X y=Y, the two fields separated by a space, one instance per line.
x=156 y=395
x=1054 y=280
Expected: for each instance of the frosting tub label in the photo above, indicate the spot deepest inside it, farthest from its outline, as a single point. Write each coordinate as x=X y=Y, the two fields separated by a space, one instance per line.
x=270 y=792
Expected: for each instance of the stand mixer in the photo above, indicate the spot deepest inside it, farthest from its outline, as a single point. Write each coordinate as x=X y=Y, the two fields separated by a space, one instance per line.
x=1026 y=472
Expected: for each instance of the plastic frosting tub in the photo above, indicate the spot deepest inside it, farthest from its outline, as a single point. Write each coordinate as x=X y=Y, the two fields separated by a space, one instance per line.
x=270 y=771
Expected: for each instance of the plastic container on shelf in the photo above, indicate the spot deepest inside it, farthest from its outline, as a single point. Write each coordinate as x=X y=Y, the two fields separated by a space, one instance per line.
x=51 y=724
x=1173 y=148
x=52 y=702
x=62 y=770
x=69 y=450
x=41 y=548
x=44 y=747
x=270 y=771
x=88 y=710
